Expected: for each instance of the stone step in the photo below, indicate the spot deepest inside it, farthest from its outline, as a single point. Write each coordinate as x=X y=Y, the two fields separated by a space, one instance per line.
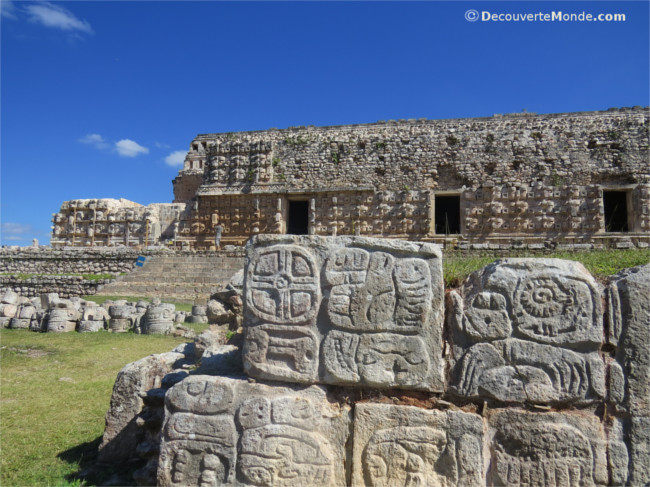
x=181 y=277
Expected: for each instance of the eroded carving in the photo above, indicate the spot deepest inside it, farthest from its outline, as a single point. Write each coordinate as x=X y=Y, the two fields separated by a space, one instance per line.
x=407 y=446
x=283 y=285
x=380 y=322
x=282 y=351
x=252 y=434
x=555 y=449
x=529 y=330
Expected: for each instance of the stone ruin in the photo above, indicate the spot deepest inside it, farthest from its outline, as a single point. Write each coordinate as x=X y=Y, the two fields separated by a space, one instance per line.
x=49 y=313
x=356 y=368
x=523 y=179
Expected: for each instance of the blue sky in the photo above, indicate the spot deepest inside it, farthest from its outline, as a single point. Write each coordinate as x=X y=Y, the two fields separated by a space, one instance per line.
x=100 y=98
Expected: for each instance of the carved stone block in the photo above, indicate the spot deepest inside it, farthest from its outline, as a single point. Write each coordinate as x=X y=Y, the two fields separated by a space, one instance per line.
x=344 y=310
x=568 y=449
x=226 y=431
x=528 y=330
x=409 y=446
x=629 y=328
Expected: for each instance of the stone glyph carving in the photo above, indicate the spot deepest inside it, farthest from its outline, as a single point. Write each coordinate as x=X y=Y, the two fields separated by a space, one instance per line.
x=568 y=449
x=409 y=446
x=226 y=431
x=158 y=319
x=528 y=330
x=629 y=329
x=346 y=310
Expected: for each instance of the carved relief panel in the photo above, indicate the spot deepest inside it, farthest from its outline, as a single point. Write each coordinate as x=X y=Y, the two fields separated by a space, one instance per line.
x=568 y=449
x=528 y=330
x=223 y=431
x=404 y=446
x=346 y=310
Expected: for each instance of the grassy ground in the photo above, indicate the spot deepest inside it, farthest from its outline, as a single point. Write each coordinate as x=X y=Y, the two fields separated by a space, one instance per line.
x=601 y=263
x=55 y=392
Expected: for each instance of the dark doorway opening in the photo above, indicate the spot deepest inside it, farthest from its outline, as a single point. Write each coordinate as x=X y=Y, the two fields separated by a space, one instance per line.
x=615 y=203
x=447 y=215
x=298 y=223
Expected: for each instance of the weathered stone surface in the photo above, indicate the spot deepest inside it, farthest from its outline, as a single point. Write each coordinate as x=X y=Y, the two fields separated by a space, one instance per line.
x=122 y=433
x=567 y=449
x=90 y=326
x=640 y=450
x=226 y=431
x=346 y=310
x=528 y=330
x=9 y=297
x=629 y=328
x=157 y=320
x=62 y=320
x=8 y=310
x=410 y=446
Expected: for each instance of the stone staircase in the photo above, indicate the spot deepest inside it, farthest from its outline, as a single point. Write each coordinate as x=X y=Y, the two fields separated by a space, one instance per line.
x=187 y=277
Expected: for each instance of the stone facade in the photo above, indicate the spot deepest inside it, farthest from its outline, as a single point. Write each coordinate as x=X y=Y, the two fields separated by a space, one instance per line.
x=110 y=223
x=544 y=383
x=573 y=177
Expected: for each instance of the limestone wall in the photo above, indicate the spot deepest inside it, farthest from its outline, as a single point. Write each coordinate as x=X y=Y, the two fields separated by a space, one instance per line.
x=64 y=286
x=175 y=274
x=531 y=176
x=357 y=368
x=111 y=223
x=579 y=177
x=44 y=260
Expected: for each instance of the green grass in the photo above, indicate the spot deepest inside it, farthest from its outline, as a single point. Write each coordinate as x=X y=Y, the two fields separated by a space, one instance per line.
x=56 y=390
x=601 y=263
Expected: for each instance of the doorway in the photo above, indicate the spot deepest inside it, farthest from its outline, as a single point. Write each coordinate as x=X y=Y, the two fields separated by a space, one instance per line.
x=298 y=221
x=615 y=205
x=447 y=217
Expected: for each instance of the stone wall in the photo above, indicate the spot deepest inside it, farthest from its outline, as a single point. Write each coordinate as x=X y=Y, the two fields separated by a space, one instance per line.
x=64 y=286
x=530 y=176
x=366 y=372
x=45 y=260
x=168 y=273
x=582 y=177
x=111 y=223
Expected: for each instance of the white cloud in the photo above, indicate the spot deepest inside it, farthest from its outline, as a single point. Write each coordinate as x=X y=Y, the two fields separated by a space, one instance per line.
x=57 y=17
x=176 y=158
x=95 y=140
x=129 y=148
x=8 y=9
x=160 y=145
x=15 y=229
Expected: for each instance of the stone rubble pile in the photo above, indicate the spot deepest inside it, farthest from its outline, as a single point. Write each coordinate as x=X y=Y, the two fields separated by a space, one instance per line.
x=356 y=368
x=50 y=313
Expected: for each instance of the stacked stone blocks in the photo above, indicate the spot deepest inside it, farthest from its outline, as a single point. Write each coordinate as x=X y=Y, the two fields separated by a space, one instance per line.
x=538 y=376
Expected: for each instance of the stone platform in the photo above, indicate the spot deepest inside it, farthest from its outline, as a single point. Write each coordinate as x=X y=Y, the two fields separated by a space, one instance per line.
x=358 y=368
